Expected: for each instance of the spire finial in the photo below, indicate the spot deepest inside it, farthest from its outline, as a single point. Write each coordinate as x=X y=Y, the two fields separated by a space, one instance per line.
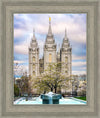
x=49 y=31
x=33 y=33
x=65 y=34
x=49 y=19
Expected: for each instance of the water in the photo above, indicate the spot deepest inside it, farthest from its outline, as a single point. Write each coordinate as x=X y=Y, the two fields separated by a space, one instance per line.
x=50 y=94
x=38 y=100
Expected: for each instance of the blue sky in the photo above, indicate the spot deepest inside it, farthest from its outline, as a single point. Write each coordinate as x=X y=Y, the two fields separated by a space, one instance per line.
x=75 y=25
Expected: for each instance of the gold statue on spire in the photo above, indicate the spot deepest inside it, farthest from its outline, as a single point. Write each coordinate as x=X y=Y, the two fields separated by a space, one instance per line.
x=49 y=18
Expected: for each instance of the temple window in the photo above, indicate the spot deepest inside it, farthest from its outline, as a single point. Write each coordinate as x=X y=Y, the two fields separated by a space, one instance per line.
x=33 y=72
x=33 y=66
x=50 y=57
x=66 y=72
x=33 y=59
x=66 y=66
x=66 y=59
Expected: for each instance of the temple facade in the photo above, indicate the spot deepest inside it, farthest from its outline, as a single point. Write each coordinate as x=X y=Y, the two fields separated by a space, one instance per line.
x=33 y=57
x=50 y=55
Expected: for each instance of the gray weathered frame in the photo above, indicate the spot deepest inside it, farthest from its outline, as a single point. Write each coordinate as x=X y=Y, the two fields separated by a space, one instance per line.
x=8 y=7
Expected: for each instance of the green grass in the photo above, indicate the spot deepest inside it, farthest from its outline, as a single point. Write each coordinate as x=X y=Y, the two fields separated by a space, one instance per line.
x=82 y=98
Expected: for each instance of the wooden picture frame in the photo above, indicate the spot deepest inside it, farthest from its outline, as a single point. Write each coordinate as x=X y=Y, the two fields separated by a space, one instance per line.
x=8 y=8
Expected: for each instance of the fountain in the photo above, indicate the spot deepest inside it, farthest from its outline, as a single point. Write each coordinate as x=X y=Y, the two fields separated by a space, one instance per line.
x=50 y=98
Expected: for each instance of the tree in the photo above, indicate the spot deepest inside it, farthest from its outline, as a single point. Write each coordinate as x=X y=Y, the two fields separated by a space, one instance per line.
x=24 y=88
x=51 y=79
x=26 y=84
x=30 y=85
x=16 y=90
x=23 y=84
x=75 y=84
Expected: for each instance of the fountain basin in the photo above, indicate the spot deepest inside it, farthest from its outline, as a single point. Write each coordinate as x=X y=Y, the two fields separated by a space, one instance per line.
x=50 y=98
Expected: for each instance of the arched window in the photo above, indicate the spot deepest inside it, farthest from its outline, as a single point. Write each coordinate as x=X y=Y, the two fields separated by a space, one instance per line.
x=33 y=59
x=66 y=59
x=33 y=73
x=33 y=66
x=66 y=72
x=50 y=57
x=66 y=66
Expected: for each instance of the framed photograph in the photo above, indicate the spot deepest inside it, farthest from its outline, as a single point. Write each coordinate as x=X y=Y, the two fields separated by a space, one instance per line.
x=49 y=58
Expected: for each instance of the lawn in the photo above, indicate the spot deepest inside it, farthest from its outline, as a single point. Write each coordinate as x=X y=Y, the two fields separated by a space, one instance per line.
x=82 y=98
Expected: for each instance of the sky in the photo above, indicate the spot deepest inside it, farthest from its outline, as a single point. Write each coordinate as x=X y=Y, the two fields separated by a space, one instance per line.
x=25 y=24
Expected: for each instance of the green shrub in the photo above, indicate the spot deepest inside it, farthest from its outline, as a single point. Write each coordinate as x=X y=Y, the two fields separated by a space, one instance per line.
x=16 y=90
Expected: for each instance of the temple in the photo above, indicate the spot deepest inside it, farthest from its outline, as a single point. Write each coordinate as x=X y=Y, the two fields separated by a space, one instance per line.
x=51 y=54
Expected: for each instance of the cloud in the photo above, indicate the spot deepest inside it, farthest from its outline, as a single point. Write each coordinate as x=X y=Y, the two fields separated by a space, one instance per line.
x=19 y=70
x=72 y=22
x=77 y=64
x=39 y=22
x=21 y=49
x=41 y=45
x=19 y=33
x=18 y=62
x=76 y=33
x=78 y=72
x=79 y=67
x=75 y=57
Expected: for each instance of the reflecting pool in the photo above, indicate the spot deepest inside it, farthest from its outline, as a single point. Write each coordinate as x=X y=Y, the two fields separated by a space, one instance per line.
x=38 y=101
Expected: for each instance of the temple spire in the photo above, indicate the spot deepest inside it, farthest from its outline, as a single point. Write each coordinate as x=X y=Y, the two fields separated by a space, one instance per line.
x=49 y=30
x=65 y=34
x=33 y=34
